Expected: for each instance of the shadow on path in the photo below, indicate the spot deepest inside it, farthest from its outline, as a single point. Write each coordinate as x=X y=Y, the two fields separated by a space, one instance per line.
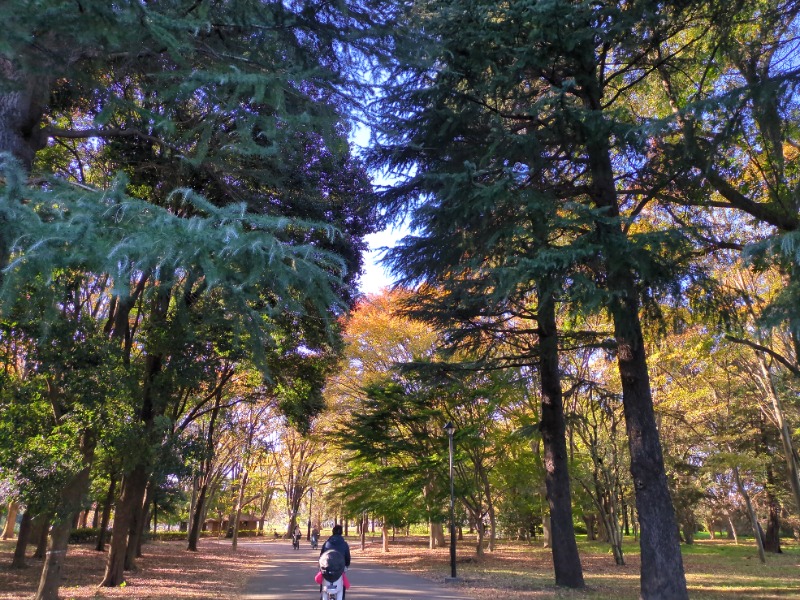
x=288 y=574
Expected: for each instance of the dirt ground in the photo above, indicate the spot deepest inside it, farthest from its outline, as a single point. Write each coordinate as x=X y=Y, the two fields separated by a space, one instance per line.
x=166 y=571
x=715 y=570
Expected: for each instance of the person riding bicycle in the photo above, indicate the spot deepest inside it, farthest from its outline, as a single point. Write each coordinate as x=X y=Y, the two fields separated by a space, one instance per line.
x=296 y=535
x=338 y=543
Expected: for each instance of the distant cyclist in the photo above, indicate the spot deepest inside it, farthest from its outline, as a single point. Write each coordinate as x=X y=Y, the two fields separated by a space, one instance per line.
x=314 y=537
x=296 y=535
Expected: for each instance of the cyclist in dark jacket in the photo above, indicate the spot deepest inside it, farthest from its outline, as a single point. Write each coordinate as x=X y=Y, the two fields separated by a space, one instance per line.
x=338 y=543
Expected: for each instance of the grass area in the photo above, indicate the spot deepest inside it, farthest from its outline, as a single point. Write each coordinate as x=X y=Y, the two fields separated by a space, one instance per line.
x=517 y=571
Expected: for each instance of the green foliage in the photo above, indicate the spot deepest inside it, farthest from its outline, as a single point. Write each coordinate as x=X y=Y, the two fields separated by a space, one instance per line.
x=87 y=535
x=179 y=536
x=519 y=479
x=396 y=440
x=499 y=140
x=192 y=209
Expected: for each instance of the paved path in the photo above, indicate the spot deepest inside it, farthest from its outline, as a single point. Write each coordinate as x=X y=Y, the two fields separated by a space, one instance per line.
x=288 y=574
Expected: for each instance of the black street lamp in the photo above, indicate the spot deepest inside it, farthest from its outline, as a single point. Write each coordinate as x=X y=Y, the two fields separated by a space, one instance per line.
x=310 y=500
x=450 y=429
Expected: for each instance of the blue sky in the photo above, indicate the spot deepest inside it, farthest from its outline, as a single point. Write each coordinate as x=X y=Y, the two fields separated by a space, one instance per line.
x=375 y=276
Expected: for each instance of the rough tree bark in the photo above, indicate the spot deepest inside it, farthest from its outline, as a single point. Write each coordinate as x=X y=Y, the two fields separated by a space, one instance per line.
x=143 y=527
x=21 y=111
x=772 y=537
x=11 y=520
x=136 y=533
x=732 y=533
x=238 y=508
x=205 y=477
x=792 y=466
x=42 y=526
x=436 y=535
x=363 y=530
x=135 y=483
x=133 y=489
x=70 y=503
x=566 y=561
x=487 y=490
x=662 y=573
x=18 y=562
x=752 y=514
x=106 y=516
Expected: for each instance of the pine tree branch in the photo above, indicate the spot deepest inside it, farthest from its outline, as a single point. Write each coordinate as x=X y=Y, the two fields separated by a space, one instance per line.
x=94 y=132
x=43 y=180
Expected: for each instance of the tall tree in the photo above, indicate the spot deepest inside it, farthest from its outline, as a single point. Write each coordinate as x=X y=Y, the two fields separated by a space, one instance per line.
x=239 y=105
x=74 y=375
x=537 y=96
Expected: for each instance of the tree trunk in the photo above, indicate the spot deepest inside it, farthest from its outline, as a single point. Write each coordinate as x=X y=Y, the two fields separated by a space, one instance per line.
x=566 y=561
x=42 y=523
x=363 y=526
x=732 y=530
x=21 y=111
x=143 y=530
x=135 y=527
x=155 y=517
x=687 y=529
x=197 y=516
x=436 y=535
x=591 y=531
x=547 y=532
x=625 y=522
x=21 y=108
x=133 y=490
x=608 y=512
x=385 y=536
x=51 y=574
x=772 y=538
x=70 y=503
x=11 y=520
x=199 y=511
x=662 y=573
x=18 y=562
x=196 y=483
x=137 y=532
x=238 y=509
x=481 y=529
x=487 y=491
x=615 y=539
x=106 y=517
x=752 y=514
x=135 y=485
x=602 y=529
x=792 y=467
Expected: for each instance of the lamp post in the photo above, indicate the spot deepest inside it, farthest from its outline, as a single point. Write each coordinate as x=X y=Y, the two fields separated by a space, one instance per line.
x=450 y=429
x=310 y=500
